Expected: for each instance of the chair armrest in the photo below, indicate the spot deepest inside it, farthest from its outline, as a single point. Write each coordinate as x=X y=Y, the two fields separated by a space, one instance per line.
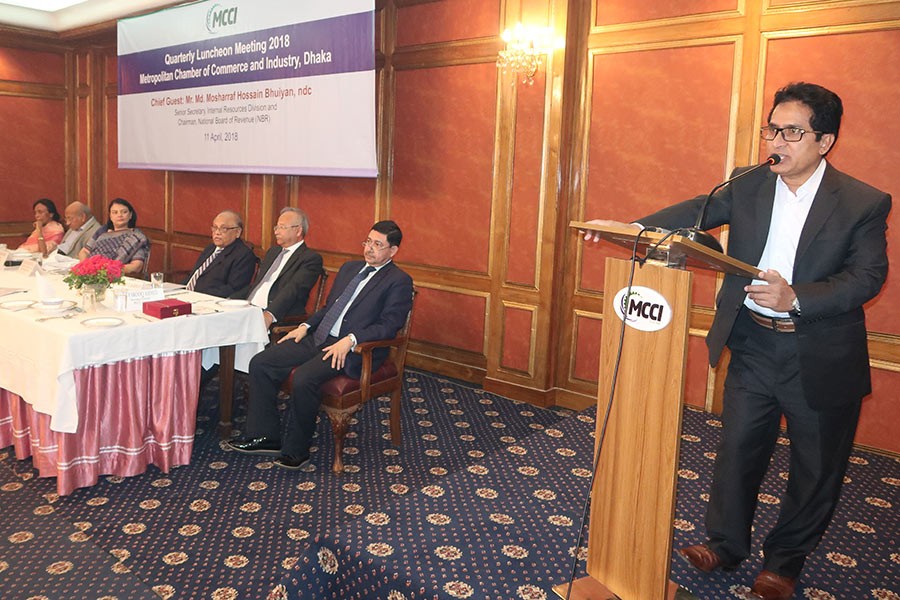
x=366 y=348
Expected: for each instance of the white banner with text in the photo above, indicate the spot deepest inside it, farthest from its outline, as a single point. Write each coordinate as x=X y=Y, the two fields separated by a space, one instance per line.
x=261 y=86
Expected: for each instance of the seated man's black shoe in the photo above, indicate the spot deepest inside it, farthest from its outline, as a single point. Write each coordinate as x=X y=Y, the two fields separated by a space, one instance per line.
x=259 y=445
x=292 y=462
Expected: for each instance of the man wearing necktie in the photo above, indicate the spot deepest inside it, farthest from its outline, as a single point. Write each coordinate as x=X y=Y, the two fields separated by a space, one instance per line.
x=369 y=300
x=226 y=265
x=288 y=271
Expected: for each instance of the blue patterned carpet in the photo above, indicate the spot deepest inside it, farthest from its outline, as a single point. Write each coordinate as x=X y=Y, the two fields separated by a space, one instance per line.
x=482 y=500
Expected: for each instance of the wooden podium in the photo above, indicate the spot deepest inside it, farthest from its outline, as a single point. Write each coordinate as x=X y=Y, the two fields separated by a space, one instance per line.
x=633 y=499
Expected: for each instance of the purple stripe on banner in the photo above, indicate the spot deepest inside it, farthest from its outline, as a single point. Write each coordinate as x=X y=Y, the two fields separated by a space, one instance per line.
x=342 y=44
x=268 y=170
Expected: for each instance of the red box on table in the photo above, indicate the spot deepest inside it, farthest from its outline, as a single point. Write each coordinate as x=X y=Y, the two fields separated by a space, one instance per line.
x=170 y=307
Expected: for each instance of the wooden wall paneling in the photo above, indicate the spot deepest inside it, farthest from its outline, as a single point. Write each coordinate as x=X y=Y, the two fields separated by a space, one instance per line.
x=454 y=318
x=35 y=165
x=385 y=97
x=33 y=63
x=524 y=194
x=353 y=199
x=622 y=12
x=442 y=186
x=802 y=14
x=449 y=325
x=587 y=329
x=207 y=194
x=518 y=349
x=574 y=103
x=37 y=109
x=83 y=120
x=527 y=179
x=446 y=21
x=504 y=157
x=878 y=418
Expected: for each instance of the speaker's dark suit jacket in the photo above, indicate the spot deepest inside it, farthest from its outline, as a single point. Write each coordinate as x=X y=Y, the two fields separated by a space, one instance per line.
x=377 y=313
x=232 y=270
x=841 y=263
x=289 y=293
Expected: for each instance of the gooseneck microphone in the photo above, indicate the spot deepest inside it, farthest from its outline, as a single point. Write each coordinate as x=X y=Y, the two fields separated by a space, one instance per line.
x=696 y=233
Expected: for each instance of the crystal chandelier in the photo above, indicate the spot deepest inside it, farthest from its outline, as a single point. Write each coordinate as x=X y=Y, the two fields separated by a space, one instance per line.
x=525 y=49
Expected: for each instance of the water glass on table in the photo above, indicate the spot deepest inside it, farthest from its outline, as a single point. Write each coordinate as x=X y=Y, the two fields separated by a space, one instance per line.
x=156 y=279
x=88 y=299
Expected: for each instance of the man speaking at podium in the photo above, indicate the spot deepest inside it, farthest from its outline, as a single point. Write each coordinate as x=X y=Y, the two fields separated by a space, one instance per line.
x=797 y=334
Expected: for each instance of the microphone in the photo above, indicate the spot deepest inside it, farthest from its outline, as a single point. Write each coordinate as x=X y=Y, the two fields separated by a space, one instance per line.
x=696 y=233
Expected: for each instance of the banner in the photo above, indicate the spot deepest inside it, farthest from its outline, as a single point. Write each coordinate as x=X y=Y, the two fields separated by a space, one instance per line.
x=250 y=86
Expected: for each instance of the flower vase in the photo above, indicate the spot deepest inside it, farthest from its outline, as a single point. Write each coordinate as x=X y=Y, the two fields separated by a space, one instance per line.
x=99 y=290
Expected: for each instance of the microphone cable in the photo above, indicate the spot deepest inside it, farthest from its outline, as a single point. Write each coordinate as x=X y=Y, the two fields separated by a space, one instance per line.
x=609 y=404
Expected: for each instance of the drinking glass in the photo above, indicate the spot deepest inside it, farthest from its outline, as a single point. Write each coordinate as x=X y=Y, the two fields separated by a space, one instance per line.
x=88 y=299
x=156 y=279
x=121 y=297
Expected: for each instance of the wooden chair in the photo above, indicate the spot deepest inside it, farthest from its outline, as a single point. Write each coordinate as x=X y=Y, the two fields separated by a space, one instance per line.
x=342 y=396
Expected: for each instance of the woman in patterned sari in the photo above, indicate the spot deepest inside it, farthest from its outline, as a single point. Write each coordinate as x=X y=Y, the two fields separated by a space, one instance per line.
x=48 y=232
x=120 y=239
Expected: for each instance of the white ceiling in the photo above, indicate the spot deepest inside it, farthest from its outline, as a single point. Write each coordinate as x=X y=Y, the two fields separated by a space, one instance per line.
x=63 y=15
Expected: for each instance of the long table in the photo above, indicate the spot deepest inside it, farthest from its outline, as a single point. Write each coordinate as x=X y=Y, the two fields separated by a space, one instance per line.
x=85 y=402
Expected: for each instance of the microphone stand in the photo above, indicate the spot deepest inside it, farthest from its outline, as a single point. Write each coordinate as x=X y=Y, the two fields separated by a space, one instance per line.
x=696 y=233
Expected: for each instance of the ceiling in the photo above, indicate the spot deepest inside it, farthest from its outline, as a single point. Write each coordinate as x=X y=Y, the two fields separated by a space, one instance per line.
x=63 y=15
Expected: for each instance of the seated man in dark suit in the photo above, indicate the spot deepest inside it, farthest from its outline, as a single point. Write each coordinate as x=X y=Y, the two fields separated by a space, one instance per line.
x=288 y=271
x=227 y=265
x=370 y=300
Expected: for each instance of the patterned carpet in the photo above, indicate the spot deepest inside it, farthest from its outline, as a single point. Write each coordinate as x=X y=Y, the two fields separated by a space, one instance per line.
x=482 y=500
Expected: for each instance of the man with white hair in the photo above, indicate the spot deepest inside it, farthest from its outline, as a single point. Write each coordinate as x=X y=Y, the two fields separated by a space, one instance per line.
x=81 y=224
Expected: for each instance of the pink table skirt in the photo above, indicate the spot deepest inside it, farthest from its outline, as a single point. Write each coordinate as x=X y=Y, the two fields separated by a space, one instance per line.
x=131 y=414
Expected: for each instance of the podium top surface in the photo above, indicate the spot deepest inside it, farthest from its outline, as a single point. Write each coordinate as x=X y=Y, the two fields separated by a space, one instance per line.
x=697 y=255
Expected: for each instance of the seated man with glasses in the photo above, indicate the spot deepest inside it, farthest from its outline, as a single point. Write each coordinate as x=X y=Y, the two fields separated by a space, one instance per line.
x=226 y=265
x=288 y=271
x=370 y=300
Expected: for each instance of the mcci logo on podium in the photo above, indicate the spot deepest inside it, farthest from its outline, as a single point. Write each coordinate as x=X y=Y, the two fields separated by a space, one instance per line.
x=643 y=308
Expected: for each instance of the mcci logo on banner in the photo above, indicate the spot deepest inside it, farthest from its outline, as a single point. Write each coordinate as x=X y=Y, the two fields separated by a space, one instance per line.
x=644 y=308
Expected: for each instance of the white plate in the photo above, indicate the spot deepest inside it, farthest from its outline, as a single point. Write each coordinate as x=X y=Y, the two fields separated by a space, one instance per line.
x=232 y=303
x=55 y=308
x=16 y=304
x=102 y=322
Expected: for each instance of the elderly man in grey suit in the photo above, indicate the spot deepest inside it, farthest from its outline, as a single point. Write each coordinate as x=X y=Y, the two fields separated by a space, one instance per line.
x=81 y=224
x=797 y=334
x=287 y=272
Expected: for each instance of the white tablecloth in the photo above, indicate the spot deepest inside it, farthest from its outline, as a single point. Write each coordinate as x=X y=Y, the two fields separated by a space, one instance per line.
x=38 y=359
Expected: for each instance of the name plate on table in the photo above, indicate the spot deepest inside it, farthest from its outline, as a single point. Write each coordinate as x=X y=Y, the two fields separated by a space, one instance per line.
x=134 y=299
x=28 y=267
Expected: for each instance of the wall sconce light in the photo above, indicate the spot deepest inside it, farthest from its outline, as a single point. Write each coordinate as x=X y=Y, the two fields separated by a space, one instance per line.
x=525 y=50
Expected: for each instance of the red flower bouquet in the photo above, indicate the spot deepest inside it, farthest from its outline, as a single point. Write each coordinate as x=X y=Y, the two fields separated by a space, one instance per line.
x=95 y=270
